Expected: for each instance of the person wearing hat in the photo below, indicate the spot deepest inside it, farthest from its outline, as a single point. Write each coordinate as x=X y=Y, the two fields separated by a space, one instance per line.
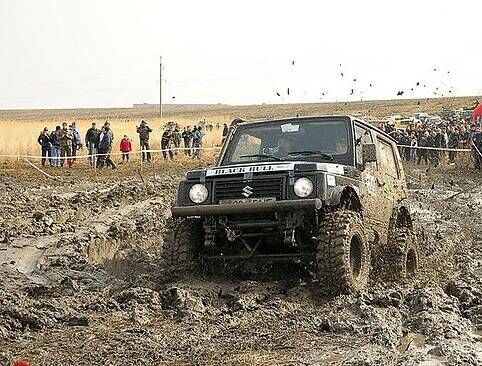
x=44 y=141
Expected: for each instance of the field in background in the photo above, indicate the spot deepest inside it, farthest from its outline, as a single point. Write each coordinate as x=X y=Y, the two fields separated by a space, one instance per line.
x=19 y=129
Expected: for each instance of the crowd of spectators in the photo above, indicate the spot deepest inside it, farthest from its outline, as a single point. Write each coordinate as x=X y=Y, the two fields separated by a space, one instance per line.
x=429 y=143
x=60 y=146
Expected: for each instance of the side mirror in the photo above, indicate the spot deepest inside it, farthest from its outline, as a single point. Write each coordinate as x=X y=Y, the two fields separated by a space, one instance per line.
x=369 y=153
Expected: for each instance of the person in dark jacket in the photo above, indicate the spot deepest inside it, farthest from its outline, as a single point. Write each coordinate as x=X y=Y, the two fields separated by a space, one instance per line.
x=225 y=132
x=176 y=140
x=76 y=140
x=187 y=138
x=65 y=138
x=453 y=143
x=166 y=141
x=55 y=148
x=438 y=141
x=44 y=141
x=105 y=147
x=423 y=142
x=476 y=147
x=144 y=132
x=91 y=141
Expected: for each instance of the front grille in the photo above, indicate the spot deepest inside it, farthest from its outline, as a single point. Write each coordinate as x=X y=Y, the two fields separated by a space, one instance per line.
x=233 y=189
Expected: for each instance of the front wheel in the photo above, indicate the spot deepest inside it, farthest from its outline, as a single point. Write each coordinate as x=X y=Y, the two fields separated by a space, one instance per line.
x=182 y=244
x=343 y=253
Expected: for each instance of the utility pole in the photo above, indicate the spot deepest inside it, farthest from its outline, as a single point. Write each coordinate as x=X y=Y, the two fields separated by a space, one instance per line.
x=160 y=86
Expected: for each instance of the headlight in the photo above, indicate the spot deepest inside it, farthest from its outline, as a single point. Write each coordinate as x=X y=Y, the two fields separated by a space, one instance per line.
x=303 y=187
x=198 y=193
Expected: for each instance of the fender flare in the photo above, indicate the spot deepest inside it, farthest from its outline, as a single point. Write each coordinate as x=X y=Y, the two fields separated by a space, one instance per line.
x=346 y=193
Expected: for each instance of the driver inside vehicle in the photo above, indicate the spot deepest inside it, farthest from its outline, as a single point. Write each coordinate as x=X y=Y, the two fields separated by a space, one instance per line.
x=285 y=145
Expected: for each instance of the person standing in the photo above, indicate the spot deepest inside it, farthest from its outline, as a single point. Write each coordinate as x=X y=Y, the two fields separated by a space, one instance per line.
x=187 y=137
x=110 y=131
x=197 y=142
x=144 y=132
x=423 y=142
x=105 y=148
x=91 y=140
x=65 y=137
x=76 y=140
x=453 y=143
x=44 y=141
x=414 y=145
x=176 y=140
x=225 y=132
x=166 y=140
x=476 y=147
x=55 y=148
x=125 y=148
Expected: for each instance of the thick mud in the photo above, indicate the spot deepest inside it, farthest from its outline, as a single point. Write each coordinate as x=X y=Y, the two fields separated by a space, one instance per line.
x=82 y=283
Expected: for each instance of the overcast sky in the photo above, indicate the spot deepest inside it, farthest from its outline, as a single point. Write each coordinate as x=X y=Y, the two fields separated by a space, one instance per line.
x=105 y=53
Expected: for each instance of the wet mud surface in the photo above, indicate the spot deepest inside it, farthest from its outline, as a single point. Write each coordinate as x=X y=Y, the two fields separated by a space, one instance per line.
x=82 y=283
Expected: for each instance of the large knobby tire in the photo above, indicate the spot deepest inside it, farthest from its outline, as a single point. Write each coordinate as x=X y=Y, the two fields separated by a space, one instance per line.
x=343 y=253
x=182 y=244
x=400 y=258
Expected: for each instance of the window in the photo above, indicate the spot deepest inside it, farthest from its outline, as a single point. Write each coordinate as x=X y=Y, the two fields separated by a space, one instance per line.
x=387 y=159
x=362 y=137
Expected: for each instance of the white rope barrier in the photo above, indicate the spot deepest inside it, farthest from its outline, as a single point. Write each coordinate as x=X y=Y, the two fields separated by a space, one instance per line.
x=476 y=149
x=140 y=152
x=44 y=173
x=434 y=148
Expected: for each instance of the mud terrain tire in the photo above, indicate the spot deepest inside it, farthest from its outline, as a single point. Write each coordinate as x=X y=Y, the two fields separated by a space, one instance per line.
x=400 y=256
x=182 y=244
x=343 y=253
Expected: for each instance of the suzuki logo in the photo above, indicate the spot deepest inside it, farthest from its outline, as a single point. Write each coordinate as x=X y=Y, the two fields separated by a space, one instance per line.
x=247 y=191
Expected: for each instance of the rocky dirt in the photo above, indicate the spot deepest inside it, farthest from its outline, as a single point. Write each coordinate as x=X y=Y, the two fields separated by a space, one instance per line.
x=82 y=283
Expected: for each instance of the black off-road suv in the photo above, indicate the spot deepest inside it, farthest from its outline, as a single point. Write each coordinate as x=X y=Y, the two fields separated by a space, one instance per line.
x=329 y=191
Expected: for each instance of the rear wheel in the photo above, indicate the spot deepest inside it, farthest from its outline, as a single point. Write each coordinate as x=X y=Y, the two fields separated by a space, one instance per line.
x=343 y=253
x=400 y=256
x=182 y=244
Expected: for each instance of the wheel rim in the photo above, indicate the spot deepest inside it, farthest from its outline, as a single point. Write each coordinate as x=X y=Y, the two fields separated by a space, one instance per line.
x=355 y=256
x=411 y=264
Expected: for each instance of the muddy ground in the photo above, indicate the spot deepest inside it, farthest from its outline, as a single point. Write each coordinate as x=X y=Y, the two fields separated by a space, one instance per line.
x=82 y=283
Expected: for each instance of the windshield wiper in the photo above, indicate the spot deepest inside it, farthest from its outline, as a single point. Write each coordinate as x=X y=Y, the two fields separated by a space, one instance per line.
x=261 y=156
x=312 y=152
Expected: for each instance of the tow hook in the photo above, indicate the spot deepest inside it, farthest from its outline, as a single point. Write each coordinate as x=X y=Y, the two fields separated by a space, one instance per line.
x=289 y=237
x=231 y=234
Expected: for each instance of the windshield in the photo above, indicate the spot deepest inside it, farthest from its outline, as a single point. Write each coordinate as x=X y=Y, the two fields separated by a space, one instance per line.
x=322 y=140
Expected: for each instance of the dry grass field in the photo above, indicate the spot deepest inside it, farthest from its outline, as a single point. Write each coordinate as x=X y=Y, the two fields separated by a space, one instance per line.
x=19 y=128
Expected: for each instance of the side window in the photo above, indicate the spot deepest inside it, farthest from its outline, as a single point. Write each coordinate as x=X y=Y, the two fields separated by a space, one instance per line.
x=362 y=136
x=387 y=158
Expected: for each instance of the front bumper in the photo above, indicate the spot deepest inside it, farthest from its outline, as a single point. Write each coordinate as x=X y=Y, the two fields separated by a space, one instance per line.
x=249 y=208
